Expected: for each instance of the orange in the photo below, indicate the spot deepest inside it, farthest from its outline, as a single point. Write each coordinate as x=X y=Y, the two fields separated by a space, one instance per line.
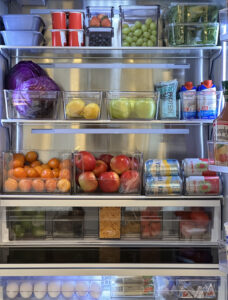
x=53 y=163
x=50 y=185
x=35 y=163
x=55 y=173
x=17 y=163
x=32 y=173
x=38 y=185
x=66 y=163
x=64 y=185
x=19 y=156
x=19 y=173
x=25 y=185
x=38 y=170
x=31 y=156
x=10 y=185
x=46 y=173
x=64 y=173
x=45 y=166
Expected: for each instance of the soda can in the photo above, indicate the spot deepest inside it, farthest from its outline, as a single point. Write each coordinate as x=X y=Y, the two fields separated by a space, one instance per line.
x=163 y=185
x=59 y=20
x=162 y=167
x=196 y=167
x=76 y=38
x=59 y=38
x=203 y=185
x=76 y=20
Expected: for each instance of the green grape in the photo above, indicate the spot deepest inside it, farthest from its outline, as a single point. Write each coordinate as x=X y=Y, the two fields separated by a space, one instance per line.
x=146 y=34
x=153 y=38
x=145 y=39
x=124 y=37
x=149 y=43
x=144 y=28
x=125 y=25
x=138 y=24
x=129 y=39
x=139 y=42
x=133 y=44
x=130 y=34
x=134 y=38
x=126 y=30
x=133 y=28
x=138 y=32
x=154 y=33
x=153 y=26
x=125 y=44
x=148 y=21
x=144 y=44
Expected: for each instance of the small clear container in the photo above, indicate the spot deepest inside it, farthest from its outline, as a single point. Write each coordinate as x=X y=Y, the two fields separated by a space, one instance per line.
x=49 y=173
x=82 y=105
x=139 y=25
x=195 y=230
x=218 y=155
x=132 y=105
x=130 y=224
x=110 y=173
x=32 y=104
x=209 y=104
x=23 y=38
x=193 y=34
x=192 y=13
x=151 y=223
x=110 y=223
x=223 y=19
x=99 y=36
x=101 y=12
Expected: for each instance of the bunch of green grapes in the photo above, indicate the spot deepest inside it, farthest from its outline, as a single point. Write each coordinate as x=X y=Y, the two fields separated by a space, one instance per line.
x=140 y=35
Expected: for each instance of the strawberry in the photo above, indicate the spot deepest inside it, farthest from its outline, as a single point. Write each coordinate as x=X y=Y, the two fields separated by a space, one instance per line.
x=105 y=22
x=94 y=22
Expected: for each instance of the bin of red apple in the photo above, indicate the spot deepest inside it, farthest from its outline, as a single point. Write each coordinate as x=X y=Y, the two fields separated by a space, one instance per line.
x=37 y=172
x=97 y=172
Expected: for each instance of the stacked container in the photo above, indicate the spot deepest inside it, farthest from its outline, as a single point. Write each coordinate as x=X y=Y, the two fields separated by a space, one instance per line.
x=192 y=25
x=23 y=30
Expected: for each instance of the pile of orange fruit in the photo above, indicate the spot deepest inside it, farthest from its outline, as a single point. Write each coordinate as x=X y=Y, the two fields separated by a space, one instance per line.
x=26 y=173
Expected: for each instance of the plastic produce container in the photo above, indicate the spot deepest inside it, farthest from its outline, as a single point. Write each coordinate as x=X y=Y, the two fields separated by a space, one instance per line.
x=100 y=172
x=218 y=154
x=31 y=172
x=130 y=224
x=82 y=105
x=22 y=38
x=194 y=13
x=99 y=30
x=132 y=105
x=193 y=34
x=223 y=19
x=23 y=22
x=32 y=104
x=139 y=25
x=109 y=222
x=151 y=223
x=200 y=288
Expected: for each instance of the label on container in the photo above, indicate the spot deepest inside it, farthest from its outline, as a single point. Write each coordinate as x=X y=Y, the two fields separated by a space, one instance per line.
x=201 y=185
x=207 y=105
x=197 y=167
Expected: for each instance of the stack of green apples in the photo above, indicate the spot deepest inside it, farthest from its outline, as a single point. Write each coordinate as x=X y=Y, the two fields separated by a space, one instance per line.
x=132 y=108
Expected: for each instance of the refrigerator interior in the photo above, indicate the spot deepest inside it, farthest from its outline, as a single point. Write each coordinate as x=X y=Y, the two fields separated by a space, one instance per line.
x=27 y=230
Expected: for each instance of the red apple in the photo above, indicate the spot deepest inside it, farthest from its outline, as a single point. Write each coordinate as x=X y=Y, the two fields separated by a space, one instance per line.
x=109 y=182
x=106 y=158
x=85 y=161
x=130 y=182
x=134 y=163
x=100 y=167
x=120 y=163
x=88 y=182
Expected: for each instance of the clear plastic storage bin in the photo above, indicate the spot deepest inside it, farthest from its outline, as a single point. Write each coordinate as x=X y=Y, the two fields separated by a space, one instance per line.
x=37 y=172
x=82 y=105
x=32 y=104
x=218 y=156
x=139 y=25
x=23 y=38
x=97 y=172
x=23 y=22
x=132 y=105
x=193 y=34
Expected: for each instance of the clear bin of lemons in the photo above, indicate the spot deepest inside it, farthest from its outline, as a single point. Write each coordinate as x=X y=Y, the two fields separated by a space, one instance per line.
x=82 y=106
x=132 y=107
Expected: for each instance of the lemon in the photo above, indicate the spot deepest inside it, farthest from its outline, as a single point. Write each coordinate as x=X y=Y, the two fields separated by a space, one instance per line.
x=74 y=108
x=91 y=111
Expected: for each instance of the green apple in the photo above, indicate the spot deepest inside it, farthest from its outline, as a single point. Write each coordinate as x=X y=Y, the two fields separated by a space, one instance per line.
x=120 y=109
x=145 y=108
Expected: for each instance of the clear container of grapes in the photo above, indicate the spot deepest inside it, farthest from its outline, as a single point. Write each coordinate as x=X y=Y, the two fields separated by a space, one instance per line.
x=139 y=25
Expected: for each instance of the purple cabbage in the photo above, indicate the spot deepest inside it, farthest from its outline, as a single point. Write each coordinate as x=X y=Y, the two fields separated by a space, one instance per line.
x=21 y=72
x=35 y=98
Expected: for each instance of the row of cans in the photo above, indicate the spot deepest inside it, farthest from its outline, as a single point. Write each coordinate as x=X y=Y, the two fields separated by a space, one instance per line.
x=171 y=167
x=192 y=185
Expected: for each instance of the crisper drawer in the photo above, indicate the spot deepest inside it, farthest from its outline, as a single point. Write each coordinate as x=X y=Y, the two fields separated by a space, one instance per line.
x=111 y=287
x=110 y=225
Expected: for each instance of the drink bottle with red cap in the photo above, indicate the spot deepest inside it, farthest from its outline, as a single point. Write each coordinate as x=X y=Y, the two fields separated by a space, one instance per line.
x=207 y=100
